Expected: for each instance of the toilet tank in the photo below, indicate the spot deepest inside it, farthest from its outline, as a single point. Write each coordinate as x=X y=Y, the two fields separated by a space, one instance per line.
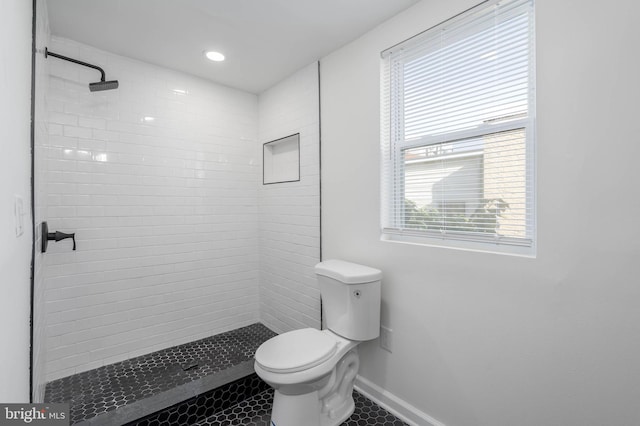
x=350 y=298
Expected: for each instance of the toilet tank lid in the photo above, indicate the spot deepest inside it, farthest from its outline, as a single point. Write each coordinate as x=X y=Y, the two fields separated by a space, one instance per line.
x=347 y=272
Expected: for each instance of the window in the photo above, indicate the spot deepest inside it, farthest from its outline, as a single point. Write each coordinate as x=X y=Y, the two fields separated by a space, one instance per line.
x=458 y=132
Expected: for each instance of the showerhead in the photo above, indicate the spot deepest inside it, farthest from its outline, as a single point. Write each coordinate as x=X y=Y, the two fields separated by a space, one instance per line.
x=94 y=87
x=103 y=85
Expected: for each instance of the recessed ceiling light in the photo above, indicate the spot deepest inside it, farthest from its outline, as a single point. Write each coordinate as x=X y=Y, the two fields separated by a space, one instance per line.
x=214 y=56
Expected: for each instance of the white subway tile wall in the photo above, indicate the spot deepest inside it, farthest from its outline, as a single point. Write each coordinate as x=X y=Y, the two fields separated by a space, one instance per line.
x=159 y=181
x=289 y=213
x=40 y=198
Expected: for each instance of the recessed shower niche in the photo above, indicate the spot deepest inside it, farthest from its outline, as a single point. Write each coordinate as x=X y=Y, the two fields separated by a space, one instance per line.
x=281 y=160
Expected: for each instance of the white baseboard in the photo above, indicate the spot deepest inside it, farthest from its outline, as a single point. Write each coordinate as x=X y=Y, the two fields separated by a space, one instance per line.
x=399 y=408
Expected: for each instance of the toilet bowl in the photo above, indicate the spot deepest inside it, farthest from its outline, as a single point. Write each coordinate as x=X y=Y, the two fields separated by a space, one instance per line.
x=312 y=371
x=318 y=364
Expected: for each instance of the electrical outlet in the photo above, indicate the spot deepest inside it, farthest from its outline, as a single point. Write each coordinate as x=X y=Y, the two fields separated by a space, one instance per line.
x=386 y=338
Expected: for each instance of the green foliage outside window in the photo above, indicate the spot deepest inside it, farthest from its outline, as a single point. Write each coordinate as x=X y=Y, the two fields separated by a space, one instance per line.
x=485 y=219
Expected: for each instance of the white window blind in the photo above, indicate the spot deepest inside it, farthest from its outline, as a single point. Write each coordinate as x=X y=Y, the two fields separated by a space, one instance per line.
x=458 y=132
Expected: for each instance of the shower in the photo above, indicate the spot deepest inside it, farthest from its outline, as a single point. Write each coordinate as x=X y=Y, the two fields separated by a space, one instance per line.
x=94 y=87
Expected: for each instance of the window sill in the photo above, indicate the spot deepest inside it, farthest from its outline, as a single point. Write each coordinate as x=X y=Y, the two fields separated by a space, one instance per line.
x=397 y=236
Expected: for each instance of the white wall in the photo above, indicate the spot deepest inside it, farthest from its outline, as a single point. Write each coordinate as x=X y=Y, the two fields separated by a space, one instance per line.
x=290 y=212
x=164 y=210
x=486 y=339
x=41 y=128
x=15 y=171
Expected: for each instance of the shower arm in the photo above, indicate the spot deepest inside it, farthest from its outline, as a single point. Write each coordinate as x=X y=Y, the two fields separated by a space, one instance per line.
x=75 y=61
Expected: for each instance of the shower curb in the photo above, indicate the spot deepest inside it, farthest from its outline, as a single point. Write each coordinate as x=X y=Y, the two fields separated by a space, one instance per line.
x=133 y=412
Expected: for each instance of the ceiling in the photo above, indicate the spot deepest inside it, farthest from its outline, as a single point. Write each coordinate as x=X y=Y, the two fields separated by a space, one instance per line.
x=264 y=41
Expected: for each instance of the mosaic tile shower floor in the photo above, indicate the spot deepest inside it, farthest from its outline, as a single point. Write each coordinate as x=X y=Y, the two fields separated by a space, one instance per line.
x=153 y=381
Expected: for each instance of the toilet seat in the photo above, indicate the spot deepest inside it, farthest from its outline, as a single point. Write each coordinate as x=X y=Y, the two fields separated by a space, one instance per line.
x=296 y=351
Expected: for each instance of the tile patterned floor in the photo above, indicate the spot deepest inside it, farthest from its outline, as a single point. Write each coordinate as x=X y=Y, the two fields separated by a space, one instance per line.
x=209 y=382
x=105 y=389
x=256 y=411
x=203 y=406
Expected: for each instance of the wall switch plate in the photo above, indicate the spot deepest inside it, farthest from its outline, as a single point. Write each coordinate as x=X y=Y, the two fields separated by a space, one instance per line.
x=386 y=338
x=19 y=213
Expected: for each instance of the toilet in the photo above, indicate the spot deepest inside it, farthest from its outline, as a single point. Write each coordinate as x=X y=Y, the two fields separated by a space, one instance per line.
x=312 y=371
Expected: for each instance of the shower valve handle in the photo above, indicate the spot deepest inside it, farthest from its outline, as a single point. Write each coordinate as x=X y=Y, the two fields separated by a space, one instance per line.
x=57 y=236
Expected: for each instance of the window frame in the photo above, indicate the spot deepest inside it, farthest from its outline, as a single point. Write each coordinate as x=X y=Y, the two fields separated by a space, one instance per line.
x=393 y=187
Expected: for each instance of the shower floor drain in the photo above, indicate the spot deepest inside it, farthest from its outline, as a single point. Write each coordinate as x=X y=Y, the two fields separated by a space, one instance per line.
x=190 y=366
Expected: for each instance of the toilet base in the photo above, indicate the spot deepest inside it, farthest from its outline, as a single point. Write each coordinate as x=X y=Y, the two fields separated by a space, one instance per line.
x=329 y=406
x=306 y=410
x=295 y=409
